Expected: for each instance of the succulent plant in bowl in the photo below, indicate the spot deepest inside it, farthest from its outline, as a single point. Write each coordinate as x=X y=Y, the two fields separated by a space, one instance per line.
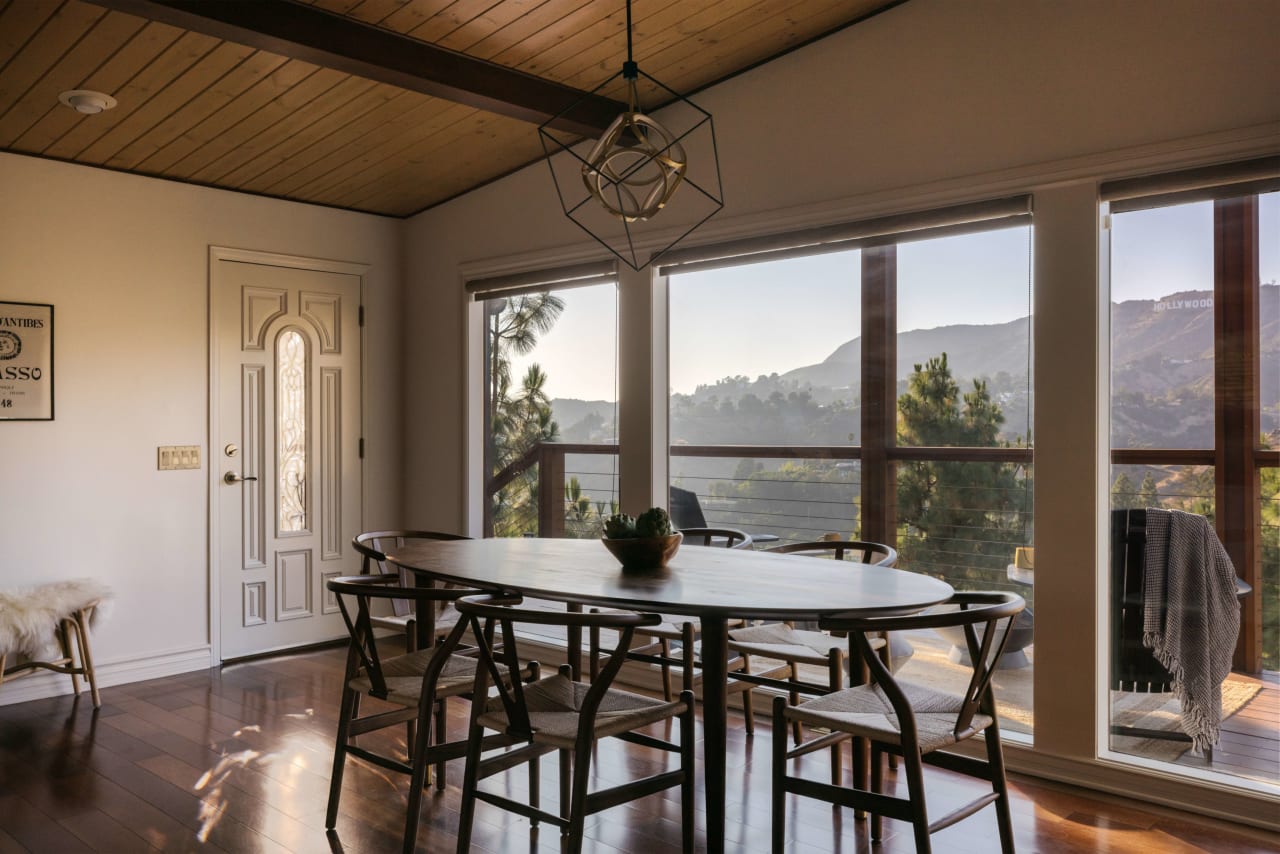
x=643 y=542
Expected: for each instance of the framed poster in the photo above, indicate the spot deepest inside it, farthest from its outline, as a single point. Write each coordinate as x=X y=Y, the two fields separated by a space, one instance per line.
x=26 y=361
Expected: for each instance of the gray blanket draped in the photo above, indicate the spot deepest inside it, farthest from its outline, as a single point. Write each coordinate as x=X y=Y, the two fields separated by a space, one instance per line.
x=1190 y=615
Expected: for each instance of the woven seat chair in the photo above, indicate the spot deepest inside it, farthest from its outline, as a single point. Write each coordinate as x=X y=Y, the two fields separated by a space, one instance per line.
x=655 y=643
x=556 y=713
x=795 y=647
x=372 y=546
x=418 y=682
x=913 y=721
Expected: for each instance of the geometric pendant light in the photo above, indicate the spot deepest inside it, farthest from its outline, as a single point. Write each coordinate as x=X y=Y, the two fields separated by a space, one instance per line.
x=615 y=186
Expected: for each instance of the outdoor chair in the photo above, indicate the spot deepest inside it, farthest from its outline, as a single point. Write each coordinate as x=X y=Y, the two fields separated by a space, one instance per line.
x=656 y=643
x=909 y=720
x=796 y=647
x=1134 y=667
x=372 y=547
x=556 y=713
x=686 y=514
x=417 y=683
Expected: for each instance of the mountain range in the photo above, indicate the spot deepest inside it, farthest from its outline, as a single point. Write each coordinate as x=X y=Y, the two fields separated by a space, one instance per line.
x=1162 y=370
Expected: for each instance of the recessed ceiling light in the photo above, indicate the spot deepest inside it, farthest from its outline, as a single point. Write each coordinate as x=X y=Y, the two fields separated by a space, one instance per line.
x=86 y=101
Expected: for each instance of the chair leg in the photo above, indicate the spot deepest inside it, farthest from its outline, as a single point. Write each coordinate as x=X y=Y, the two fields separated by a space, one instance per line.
x=915 y=788
x=748 y=711
x=687 y=764
x=566 y=783
x=418 y=778
x=664 y=650
x=877 y=788
x=779 y=798
x=535 y=786
x=442 y=735
x=86 y=657
x=345 y=715
x=794 y=697
x=578 y=801
x=470 y=777
x=995 y=758
x=594 y=643
x=689 y=637
x=835 y=678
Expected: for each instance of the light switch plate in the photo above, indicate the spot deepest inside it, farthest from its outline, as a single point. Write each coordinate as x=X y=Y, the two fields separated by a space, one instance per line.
x=176 y=457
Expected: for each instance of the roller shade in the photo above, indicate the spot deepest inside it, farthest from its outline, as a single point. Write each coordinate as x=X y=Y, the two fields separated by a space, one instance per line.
x=937 y=222
x=580 y=275
x=1223 y=181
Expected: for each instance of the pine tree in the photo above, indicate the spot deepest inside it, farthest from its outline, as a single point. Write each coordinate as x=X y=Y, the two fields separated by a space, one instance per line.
x=518 y=420
x=958 y=520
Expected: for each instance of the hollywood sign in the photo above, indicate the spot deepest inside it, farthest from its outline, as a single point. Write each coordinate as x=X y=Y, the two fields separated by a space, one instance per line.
x=1174 y=304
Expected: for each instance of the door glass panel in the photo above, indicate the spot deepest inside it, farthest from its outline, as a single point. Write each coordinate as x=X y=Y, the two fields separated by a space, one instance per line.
x=291 y=430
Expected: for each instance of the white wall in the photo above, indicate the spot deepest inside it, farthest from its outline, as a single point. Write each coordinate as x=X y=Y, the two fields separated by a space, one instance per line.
x=124 y=260
x=931 y=99
x=932 y=102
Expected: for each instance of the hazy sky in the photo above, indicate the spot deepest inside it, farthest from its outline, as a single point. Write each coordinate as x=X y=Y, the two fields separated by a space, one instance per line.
x=761 y=318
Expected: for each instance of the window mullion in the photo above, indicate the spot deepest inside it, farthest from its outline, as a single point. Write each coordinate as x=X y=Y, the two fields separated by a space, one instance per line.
x=879 y=404
x=1236 y=403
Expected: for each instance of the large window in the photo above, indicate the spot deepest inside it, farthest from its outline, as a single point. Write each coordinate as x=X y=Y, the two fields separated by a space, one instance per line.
x=1195 y=415
x=879 y=392
x=550 y=406
x=764 y=374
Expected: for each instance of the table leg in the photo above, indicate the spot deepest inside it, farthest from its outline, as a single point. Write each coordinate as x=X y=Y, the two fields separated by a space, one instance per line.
x=424 y=614
x=715 y=715
x=573 y=642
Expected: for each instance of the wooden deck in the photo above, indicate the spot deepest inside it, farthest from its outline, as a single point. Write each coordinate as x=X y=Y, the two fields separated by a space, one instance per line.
x=1250 y=744
x=237 y=759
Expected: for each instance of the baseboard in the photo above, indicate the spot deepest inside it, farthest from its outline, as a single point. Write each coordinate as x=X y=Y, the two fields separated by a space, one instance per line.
x=1227 y=799
x=42 y=684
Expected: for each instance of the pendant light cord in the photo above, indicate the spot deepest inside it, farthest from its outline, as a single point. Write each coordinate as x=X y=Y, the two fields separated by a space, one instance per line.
x=630 y=71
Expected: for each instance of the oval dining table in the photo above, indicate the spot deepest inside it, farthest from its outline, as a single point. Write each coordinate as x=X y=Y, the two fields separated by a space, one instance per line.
x=711 y=584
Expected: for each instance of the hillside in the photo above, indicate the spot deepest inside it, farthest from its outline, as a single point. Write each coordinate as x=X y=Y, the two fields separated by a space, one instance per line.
x=1162 y=369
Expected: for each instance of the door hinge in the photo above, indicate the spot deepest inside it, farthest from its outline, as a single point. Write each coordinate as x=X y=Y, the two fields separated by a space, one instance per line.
x=362 y=447
x=360 y=316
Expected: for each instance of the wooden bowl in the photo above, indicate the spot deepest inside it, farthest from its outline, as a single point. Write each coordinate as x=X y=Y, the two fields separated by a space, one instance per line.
x=644 y=552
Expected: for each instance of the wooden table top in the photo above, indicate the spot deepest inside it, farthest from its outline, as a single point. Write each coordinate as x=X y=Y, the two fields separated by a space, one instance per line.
x=699 y=581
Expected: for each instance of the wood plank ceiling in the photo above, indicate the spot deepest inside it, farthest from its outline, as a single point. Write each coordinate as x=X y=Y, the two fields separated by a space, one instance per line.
x=225 y=113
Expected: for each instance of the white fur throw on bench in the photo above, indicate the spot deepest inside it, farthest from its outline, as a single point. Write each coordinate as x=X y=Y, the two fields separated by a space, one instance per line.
x=29 y=616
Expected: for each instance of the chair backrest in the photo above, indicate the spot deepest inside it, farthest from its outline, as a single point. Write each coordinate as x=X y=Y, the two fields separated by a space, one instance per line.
x=728 y=537
x=490 y=614
x=360 y=591
x=875 y=554
x=1133 y=666
x=986 y=618
x=686 y=511
x=372 y=547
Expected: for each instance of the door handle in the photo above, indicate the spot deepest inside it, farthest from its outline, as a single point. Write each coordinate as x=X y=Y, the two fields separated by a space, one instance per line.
x=234 y=477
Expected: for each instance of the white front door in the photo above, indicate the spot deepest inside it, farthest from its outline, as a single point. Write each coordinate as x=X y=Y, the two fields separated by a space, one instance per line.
x=284 y=450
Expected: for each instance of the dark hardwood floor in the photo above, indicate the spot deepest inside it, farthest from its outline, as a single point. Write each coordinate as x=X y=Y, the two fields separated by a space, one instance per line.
x=237 y=760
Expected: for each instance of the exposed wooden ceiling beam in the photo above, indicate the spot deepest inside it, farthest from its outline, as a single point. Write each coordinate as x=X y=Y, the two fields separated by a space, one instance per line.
x=304 y=32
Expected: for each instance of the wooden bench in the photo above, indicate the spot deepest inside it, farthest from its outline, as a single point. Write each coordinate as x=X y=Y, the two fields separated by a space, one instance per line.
x=34 y=619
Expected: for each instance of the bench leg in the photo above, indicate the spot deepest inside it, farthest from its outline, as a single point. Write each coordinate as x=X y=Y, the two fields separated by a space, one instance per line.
x=65 y=628
x=81 y=619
